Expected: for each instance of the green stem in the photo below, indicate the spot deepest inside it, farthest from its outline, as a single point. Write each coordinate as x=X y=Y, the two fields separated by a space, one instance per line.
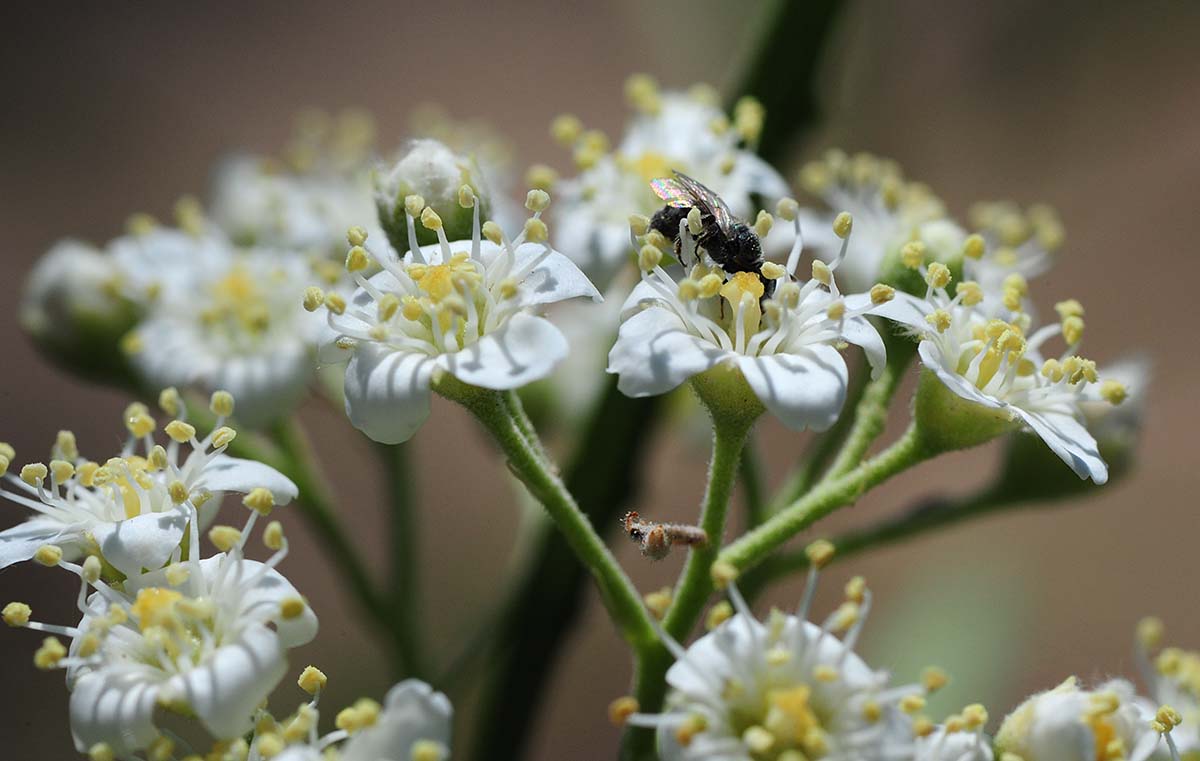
x=403 y=590
x=695 y=584
x=750 y=473
x=870 y=417
x=619 y=595
x=753 y=547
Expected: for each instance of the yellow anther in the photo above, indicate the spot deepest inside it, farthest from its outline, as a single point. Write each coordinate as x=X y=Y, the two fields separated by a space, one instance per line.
x=923 y=727
x=411 y=310
x=649 y=257
x=641 y=91
x=466 y=197
x=971 y=292
x=658 y=602
x=1072 y=328
x=748 y=117
x=723 y=574
x=430 y=219
x=89 y=644
x=778 y=656
x=975 y=716
x=335 y=303
x=694 y=222
x=842 y=224
x=61 y=470
x=260 y=500
x=1150 y=632
x=639 y=224
x=659 y=241
x=357 y=259
x=1166 y=719
x=710 y=285
x=717 y=615
x=763 y=223
x=362 y=714
x=758 y=740
x=312 y=680
x=428 y=750
x=132 y=343
x=387 y=306
x=910 y=704
x=16 y=614
x=1052 y=369
x=974 y=246
x=356 y=236
x=5 y=462
x=101 y=752
x=140 y=224
x=787 y=209
x=719 y=124
x=912 y=255
x=7 y=451
x=221 y=403
x=492 y=232
x=594 y=141
x=169 y=401
x=836 y=310
x=934 y=679
x=224 y=538
x=773 y=271
x=826 y=673
x=821 y=272
x=881 y=294
x=92 y=568
x=65 y=446
x=180 y=431
x=1069 y=308
x=162 y=749
x=856 y=589
x=48 y=555
x=954 y=723
x=820 y=553
x=178 y=492
x=566 y=129
x=541 y=176
x=939 y=319
x=535 y=230
x=141 y=425
x=413 y=205
x=49 y=654
x=269 y=745
x=537 y=200
x=691 y=726
x=1113 y=391
x=938 y=275
x=292 y=607
x=273 y=537
x=621 y=709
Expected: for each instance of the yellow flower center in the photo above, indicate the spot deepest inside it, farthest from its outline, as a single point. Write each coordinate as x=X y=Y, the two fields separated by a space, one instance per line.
x=651 y=165
x=155 y=606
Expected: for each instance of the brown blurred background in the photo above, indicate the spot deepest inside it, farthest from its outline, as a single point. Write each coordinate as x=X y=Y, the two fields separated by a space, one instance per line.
x=1090 y=106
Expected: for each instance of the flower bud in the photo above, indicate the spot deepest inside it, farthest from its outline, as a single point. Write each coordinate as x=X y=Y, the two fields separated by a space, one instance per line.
x=430 y=169
x=1071 y=724
x=948 y=422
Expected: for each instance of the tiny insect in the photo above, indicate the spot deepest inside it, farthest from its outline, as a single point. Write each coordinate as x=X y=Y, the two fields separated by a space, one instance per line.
x=729 y=241
x=657 y=539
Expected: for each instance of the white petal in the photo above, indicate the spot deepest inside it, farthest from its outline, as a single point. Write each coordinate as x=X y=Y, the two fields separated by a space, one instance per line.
x=804 y=389
x=932 y=359
x=225 y=690
x=1070 y=440
x=860 y=332
x=233 y=474
x=524 y=350
x=556 y=278
x=266 y=385
x=19 y=543
x=387 y=392
x=262 y=601
x=654 y=353
x=906 y=309
x=412 y=711
x=113 y=706
x=142 y=542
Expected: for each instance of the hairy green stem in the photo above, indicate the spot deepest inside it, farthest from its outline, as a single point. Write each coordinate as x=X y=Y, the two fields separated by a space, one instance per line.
x=870 y=417
x=754 y=547
x=403 y=588
x=752 y=478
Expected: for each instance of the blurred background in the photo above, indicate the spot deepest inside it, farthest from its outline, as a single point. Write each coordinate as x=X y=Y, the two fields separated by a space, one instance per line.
x=111 y=109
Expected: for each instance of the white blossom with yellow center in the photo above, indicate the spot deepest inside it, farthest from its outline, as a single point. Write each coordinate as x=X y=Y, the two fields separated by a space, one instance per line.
x=999 y=363
x=1172 y=676
x=785 y=346
x=221 y=317
x=888 y=209
x=413 y=724
x=687 y=132
x=783 y=689
x=1015 y=241
x=132 y=509
x=467 y=308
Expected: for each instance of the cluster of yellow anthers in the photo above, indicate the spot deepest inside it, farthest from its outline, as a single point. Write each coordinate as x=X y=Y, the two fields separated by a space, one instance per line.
x=848 y=181
x=1010 y=228
x=443 y=305
x=589 y=146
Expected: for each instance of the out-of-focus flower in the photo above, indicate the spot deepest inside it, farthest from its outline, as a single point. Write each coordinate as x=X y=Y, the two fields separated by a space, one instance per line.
x=1069 y=723
x=466 y=309
x=751 y=690
x=201 y=637
x=413 y=724
x=216 y=316
x=687 y=132
x=305 y=201
x=1172 y=676
x=133 y=508
x=998 y=366
x=888 y=209
x=785 y=346
x=1015 y=242
x=961 y=738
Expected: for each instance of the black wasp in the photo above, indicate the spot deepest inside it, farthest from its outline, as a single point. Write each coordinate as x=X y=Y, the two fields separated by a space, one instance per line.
x=729 y=241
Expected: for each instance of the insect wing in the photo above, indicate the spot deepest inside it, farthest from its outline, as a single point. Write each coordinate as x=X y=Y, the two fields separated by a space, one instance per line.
x=673 y=192
x=709 y=202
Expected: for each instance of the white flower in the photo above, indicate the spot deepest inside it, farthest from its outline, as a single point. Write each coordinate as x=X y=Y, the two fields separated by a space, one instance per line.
x=72 y=293
x=221 y=317
x=1116 y=426
x=1016 y=242
x=306 y=202
x=1172 y=675
x=1072 y=724
x=963 y=744
x=753 y=690
x=412 y=725
x=785 y=346
x=466 y=308
x=133 y=508
x=687 y=132
x=999 y=365
x=888 y=212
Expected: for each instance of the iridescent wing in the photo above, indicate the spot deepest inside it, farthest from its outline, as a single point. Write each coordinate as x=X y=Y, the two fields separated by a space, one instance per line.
x=708 y=202
x=673 y=192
